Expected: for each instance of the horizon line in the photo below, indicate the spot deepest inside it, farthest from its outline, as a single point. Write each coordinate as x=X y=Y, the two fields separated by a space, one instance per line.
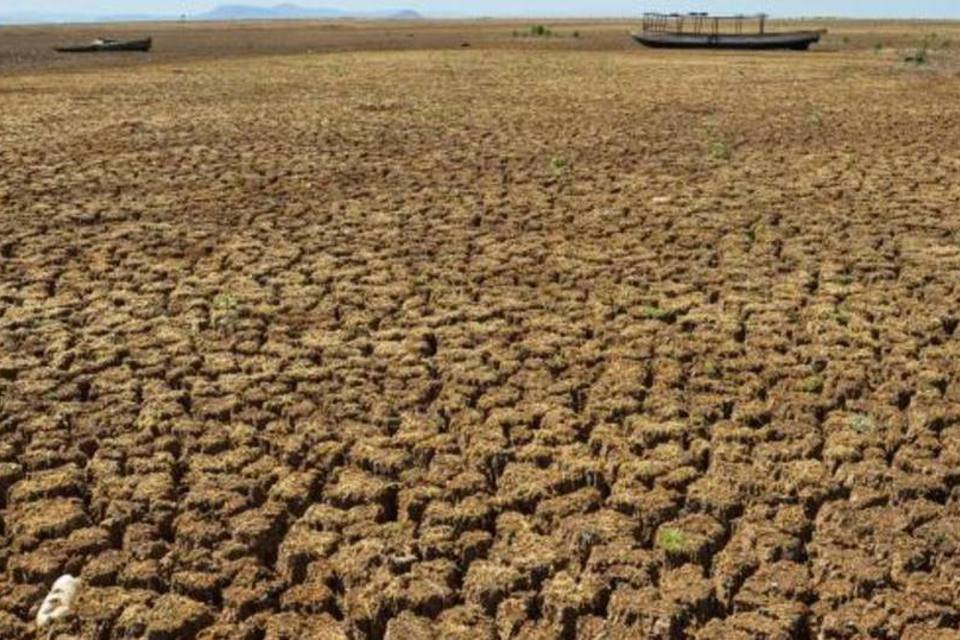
x=41 y=18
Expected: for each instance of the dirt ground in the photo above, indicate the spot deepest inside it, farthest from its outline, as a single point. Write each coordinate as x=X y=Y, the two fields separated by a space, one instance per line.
x=537 y=338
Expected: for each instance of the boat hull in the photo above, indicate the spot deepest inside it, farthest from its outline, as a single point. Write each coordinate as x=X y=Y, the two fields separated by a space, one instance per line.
x=797 y=40
x=106 y=47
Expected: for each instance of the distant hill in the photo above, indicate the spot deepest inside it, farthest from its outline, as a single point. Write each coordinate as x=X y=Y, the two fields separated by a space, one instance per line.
x=296 y=12
x=225 y=12
x=74 y=18
x=406 y=14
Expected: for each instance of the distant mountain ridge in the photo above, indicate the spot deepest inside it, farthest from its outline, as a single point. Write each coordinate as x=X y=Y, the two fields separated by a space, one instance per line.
x=296 y=12
x=227 y=12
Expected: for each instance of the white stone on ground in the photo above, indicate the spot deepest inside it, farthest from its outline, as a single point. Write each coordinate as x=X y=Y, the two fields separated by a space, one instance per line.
x=57 y=603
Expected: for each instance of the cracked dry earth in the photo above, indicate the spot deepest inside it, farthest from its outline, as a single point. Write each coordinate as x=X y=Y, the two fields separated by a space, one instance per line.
x=476 y=344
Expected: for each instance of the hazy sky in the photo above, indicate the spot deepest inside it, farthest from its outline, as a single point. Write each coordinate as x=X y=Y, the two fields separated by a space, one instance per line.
x=893 y=8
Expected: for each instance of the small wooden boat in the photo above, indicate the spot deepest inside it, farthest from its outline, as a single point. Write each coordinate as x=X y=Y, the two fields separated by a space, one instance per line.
x=103 y=45
x=703 y=31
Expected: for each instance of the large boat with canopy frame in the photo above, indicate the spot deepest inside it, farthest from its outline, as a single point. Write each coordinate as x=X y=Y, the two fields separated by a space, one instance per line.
x=701 y=30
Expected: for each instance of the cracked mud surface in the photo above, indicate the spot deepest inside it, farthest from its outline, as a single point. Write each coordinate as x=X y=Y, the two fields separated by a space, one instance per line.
x=482 y=344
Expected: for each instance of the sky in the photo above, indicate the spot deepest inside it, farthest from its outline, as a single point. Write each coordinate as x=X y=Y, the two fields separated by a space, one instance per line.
x=854 y=8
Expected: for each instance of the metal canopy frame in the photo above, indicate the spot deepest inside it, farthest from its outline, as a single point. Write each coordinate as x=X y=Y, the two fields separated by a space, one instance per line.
x=699 y=23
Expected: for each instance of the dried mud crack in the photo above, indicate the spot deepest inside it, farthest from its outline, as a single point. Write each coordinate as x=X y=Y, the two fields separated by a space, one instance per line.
x=289 y=352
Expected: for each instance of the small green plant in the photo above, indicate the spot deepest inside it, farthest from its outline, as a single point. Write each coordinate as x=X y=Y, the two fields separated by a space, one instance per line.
x=862 y=423
x=919 y=57
x=540 y=31
x=839 y=316
x=812 y=384
x=672 y=540
x=720 y=150
x=576 y=34
x=754 y=232
x=711 y=369
x=225 y=312
x=654 y=313
x=586 y=540
x=816 y=117
x=878 y=47
x=150 y=416
x=225 y=301
x=559 y=164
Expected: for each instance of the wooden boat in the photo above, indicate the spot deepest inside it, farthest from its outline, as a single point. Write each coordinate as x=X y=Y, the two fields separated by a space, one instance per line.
x=703 y=31
x=103 y=45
